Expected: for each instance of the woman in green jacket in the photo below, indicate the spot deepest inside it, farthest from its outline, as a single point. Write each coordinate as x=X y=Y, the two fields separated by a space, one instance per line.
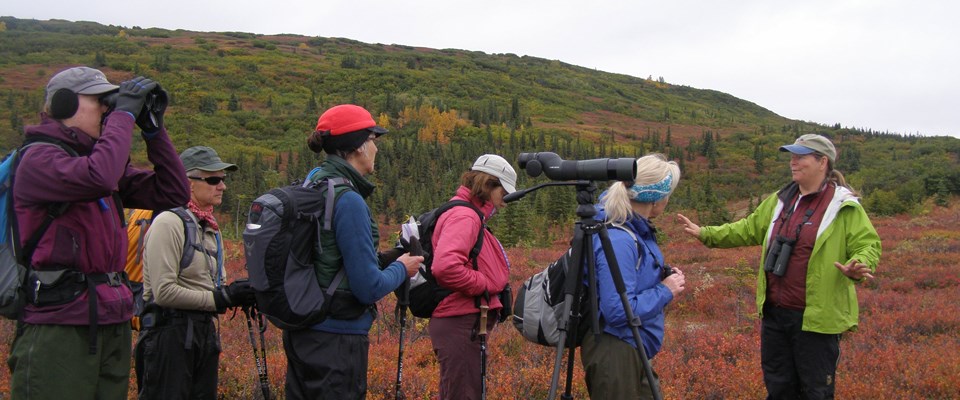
x=817 y=243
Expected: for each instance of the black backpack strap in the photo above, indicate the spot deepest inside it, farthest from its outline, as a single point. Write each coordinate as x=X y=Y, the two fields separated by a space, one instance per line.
x=191 y=241
x=118 y=202
x=478 y=245
x=475 y=251
x=24 y=254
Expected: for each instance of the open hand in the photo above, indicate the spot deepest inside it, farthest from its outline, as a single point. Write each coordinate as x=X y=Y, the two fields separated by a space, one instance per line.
x=854 y=270
x=688 y=226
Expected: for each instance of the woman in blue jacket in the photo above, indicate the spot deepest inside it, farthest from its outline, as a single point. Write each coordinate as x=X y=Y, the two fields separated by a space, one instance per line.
x=329 y=360
x=611 y=360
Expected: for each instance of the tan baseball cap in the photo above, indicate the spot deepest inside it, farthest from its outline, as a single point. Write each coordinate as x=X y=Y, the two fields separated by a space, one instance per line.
x=811 y=143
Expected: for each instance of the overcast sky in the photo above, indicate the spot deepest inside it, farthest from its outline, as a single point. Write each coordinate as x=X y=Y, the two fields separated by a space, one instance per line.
x=887 y=65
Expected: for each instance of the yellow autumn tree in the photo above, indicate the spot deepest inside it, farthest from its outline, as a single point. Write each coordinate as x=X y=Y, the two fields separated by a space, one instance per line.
x=383 y=120
x=435 y=125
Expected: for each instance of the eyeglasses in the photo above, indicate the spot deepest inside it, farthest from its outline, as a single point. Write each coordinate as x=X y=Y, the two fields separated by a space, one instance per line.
x=210 y=180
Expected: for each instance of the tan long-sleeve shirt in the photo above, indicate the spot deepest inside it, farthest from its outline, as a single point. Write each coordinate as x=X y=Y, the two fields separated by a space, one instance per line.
x=163 y=281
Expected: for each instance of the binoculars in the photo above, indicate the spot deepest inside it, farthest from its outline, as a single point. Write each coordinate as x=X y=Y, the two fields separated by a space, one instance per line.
x=153 y=107
x=778 y=255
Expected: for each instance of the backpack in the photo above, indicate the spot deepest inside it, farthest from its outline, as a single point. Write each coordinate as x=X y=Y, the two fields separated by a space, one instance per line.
x=540 y=302
x=425 y=293
x=138 y=222
x=281 y=239
x=14 y=259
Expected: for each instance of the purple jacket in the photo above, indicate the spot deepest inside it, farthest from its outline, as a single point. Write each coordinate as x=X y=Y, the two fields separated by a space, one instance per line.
x=90 y=236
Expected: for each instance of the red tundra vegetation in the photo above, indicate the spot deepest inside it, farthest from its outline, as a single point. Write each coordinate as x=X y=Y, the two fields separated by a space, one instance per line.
x=907 y=345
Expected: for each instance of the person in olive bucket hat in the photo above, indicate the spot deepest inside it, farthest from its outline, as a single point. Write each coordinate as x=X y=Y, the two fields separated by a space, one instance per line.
x=178 y=351
x=329 y=360
x=818 y=243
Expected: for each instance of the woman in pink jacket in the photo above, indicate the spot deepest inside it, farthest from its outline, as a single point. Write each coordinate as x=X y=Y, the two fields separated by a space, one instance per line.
x=455 y=325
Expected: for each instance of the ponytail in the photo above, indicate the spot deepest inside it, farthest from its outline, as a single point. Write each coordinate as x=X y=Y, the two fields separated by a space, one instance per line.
x=837 y=178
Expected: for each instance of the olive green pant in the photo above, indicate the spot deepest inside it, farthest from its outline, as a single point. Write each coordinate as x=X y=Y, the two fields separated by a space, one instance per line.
x=613 y=369
x=54 y=362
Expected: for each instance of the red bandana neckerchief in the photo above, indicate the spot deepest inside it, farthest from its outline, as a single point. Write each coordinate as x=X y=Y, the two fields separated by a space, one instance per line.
x=205 y=216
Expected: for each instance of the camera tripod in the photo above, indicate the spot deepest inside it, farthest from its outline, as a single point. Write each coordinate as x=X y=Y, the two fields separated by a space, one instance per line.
x=582 y=256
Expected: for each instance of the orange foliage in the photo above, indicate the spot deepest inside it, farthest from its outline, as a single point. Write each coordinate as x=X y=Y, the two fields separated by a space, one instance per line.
x=907 y=344
x=435 y=124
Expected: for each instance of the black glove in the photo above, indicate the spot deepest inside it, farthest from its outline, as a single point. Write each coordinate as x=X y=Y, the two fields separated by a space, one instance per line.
x=150 y=118
x=388 y=257
x=237 y=294
x=133 y=94
x=506 y=298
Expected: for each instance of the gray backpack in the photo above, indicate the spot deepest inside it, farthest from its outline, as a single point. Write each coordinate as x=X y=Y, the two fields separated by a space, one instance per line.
x=540 y=301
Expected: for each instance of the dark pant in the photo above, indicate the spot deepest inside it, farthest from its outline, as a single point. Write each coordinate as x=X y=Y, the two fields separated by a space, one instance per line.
x=457 y=347
x=613 y=369
x=170 y=367
x=796 y=364
x=322 y=365
x=54 y=362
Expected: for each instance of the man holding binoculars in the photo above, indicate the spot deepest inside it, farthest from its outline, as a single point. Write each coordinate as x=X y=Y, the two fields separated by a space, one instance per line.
x=818 y=242
x=73 y=338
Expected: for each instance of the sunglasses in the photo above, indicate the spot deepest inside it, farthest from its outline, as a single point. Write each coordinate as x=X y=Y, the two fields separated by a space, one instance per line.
x=210 y=180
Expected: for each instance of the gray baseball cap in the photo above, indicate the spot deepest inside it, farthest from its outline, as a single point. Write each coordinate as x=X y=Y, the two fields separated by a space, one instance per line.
x=204 y=159
x=810 y=143
x=81 y=80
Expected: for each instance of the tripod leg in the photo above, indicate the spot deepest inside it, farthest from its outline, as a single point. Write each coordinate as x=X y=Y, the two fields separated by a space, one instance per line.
x=573 y=276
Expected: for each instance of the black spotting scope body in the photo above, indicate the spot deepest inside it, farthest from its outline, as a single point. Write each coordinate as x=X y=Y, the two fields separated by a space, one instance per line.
x=555 y=168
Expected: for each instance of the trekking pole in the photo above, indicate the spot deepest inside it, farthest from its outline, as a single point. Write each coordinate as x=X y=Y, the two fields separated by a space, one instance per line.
x=483 y=350
x=402 y=302
x=261 y=360
x=410 y=232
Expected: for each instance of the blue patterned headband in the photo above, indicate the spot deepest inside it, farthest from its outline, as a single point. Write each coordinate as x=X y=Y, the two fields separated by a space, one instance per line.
x=653 y=192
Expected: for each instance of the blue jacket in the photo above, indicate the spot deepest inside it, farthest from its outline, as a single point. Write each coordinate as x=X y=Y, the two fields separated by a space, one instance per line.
x=353 y=220
x=641 y=277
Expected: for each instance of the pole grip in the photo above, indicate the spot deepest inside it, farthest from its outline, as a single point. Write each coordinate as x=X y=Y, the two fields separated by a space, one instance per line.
x=482 y=329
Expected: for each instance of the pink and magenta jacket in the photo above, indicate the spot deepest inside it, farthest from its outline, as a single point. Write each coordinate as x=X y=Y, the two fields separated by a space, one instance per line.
x=453 y=238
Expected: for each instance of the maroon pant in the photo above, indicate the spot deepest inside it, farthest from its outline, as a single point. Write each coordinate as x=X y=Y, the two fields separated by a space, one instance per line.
x=457 y=347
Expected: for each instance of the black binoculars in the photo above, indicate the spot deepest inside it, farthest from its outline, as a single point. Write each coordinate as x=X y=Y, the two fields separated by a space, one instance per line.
x=666 y=271
x=153 y=107
x=778 y=255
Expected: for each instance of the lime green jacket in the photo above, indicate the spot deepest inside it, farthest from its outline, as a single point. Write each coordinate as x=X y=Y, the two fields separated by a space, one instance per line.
x=845 y=234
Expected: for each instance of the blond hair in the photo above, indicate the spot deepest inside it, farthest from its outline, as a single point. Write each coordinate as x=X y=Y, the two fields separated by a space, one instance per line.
x=651 y=169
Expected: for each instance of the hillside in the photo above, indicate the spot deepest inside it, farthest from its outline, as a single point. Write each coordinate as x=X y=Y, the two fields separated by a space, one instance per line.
x=255 y=97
